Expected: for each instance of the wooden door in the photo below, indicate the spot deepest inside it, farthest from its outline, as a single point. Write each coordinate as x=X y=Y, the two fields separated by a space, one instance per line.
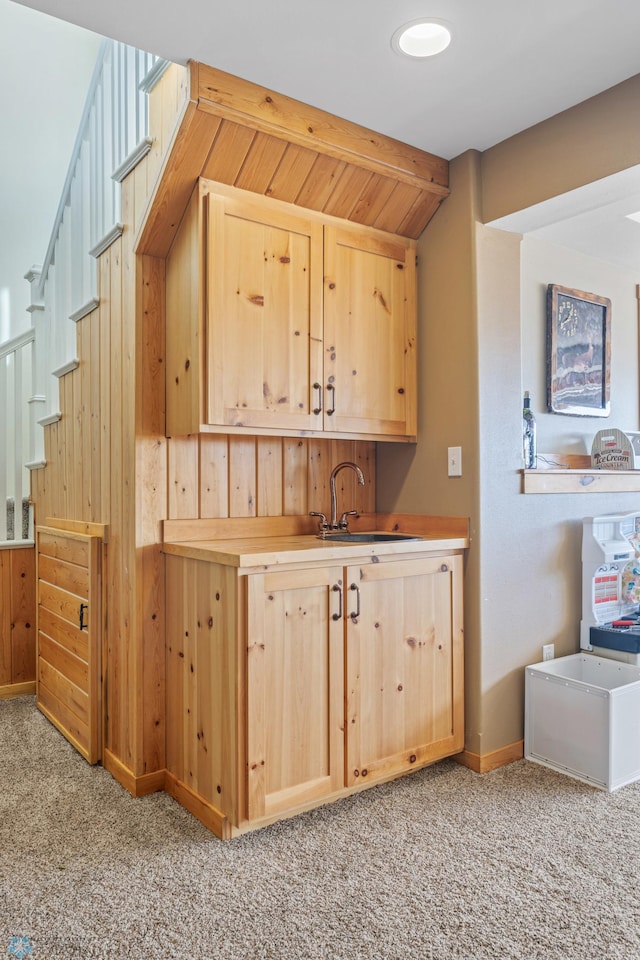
x=404 y=656
x=264 y=315
x=17 y=621
x=369 y=333
x=295 y=693
x=68 y=683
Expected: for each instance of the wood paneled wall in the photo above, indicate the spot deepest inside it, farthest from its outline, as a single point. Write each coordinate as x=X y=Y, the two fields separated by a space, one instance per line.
x=106 y=457
x=17 y=621
x=212 y=476
x=108 y=461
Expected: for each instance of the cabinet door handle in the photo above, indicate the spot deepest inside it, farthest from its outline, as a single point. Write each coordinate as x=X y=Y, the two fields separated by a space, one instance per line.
x=81 y=623
x=331 y=387
x=318 y=409
x=356 y=613
x=336 y=588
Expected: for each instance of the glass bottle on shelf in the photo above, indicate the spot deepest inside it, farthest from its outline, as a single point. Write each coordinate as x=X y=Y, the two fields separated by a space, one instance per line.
x=529 y=449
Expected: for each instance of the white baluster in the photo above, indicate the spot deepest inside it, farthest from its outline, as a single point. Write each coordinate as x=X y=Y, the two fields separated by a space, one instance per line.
x=4 y=466
x=18 y=446
x=36 y=399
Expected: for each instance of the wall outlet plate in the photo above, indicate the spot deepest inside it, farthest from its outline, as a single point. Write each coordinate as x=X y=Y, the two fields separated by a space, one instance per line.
x=548 y=651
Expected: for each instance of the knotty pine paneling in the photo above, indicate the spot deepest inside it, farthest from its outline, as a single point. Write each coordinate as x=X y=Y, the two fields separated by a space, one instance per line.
x=17 y=616
x=5 y=617
x=108 y=460
x=107 y=457
x=214 y=477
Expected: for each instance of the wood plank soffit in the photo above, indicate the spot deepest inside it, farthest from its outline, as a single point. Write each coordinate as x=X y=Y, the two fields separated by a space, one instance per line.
x=235 y=132
x=181 y=170
x=326 y=134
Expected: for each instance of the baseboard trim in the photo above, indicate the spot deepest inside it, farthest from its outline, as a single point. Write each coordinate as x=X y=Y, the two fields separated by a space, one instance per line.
x=205 y=812
x=137 y=786
x=486 y=762
x=8 y=690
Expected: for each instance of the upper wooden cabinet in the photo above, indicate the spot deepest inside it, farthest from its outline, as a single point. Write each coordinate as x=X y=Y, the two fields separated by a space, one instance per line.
x=263 y=313
x=284 y=321
x=369 y=332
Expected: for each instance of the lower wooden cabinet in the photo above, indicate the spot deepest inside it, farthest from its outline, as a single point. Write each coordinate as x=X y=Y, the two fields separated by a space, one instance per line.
x=295 y=689
x=287 y=688
x=404 y=663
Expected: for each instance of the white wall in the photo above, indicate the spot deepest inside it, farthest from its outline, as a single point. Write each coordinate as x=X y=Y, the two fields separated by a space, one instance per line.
x=45 y=70
x=530 y=547
x=544 y=263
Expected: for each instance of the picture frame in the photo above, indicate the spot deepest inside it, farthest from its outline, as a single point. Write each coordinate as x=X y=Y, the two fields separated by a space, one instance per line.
x=578 y=352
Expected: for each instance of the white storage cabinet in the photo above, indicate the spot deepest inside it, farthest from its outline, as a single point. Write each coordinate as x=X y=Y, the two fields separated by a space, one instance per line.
x=582 y=718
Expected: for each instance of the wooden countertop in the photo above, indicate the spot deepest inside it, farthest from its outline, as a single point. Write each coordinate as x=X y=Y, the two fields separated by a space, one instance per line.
x=273 y=551
x=260 y=551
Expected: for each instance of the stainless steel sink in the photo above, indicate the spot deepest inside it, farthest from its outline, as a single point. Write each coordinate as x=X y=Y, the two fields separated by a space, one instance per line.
x=346 y=537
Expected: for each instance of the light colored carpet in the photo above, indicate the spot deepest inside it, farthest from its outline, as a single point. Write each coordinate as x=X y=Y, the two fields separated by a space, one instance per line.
x=442 y=865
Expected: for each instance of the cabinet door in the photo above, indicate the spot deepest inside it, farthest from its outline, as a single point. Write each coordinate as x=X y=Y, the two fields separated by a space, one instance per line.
x=264 y=315
x=68 y=685
x=369 y=333
x=404 y=658
x=295 y=693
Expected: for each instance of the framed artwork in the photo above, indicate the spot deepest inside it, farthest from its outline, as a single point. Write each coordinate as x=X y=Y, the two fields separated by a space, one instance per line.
x=578 y=352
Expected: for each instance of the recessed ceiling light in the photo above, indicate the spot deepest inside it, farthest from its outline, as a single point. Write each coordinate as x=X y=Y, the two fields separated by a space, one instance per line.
x=421 y=38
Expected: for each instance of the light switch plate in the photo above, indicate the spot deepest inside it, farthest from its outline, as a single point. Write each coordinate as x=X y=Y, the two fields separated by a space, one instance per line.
x=454 y=461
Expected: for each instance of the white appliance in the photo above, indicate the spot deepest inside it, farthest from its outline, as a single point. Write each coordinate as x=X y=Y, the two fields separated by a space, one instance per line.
x=610 y=625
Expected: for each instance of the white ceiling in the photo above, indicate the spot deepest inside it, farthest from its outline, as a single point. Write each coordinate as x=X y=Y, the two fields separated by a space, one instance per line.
x=594 y=220
x=511 y=64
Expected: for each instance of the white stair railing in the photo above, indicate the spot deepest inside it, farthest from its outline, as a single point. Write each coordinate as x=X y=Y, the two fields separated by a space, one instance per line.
x=113 y=137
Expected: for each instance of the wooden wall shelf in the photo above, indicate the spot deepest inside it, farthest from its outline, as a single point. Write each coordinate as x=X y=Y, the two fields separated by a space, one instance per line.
x=581 y=481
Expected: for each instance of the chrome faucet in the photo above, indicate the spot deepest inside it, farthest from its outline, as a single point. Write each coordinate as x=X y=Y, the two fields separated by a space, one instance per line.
x=334 y=524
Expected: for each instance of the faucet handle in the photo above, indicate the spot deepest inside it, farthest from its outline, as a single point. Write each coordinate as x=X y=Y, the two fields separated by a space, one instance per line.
x=343 y=523
x=323 y=524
